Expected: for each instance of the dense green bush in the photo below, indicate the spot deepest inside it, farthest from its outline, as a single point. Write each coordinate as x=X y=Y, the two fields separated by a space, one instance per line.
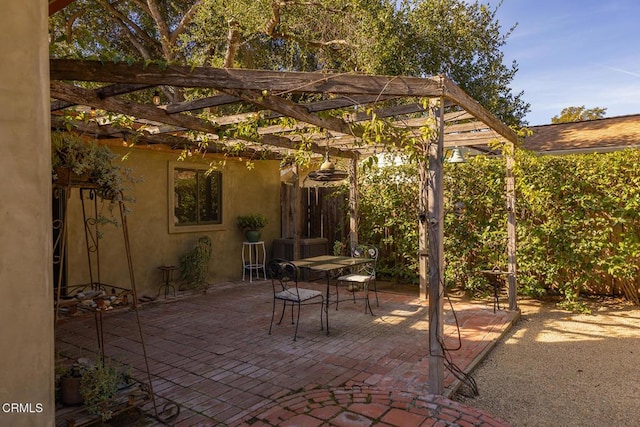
x=388 y=219
x=475 y=239
x=578 y=221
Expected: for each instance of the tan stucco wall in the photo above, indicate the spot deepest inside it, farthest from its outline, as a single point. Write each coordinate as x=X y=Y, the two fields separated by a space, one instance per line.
x=244 y=191
x=26 y=302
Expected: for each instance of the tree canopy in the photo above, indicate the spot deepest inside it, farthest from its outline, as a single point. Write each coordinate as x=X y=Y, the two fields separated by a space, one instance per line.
x=579 y=114
x=416 y=37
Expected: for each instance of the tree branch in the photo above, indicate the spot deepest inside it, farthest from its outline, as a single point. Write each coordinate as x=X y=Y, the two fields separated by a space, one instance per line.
x=233 y=42
x=272 y=24
x=126 y=24
x=186 y=19
x=163 y=29
x=270 y=28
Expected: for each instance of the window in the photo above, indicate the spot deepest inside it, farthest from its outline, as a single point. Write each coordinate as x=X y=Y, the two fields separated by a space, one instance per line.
x=195 y=198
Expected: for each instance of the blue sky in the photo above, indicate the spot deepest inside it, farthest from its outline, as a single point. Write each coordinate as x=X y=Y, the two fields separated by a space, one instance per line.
x=573 y=53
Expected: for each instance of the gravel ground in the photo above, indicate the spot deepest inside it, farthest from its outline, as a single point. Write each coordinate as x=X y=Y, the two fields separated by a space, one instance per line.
x=555 y=368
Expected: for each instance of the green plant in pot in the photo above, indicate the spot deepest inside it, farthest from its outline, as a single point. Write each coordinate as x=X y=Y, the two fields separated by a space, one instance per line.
x=194 y=265
x=252 y=225
x=75 y=161
x=98 y=386
x=68 y=380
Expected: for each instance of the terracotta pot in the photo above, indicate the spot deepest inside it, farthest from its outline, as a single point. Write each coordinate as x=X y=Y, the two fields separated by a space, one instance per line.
x=70 y=391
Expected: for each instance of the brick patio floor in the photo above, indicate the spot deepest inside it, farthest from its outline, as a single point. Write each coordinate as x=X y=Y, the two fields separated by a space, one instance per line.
x=211 y=355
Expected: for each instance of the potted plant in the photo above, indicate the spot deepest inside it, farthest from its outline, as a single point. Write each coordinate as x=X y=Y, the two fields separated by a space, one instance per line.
x=252 y=224
x=68 y=383
x=98 y=386
x=77 y=162
x=194 y=265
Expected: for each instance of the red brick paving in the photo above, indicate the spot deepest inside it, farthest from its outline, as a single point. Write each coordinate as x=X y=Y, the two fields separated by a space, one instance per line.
x=211 y=355
x=361 y=407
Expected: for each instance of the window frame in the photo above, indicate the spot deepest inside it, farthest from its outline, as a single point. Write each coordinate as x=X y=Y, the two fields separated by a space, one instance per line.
x=174 y=228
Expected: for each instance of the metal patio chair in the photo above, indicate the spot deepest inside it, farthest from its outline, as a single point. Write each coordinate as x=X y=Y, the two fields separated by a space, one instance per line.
x=284 y=278
x=361 y=277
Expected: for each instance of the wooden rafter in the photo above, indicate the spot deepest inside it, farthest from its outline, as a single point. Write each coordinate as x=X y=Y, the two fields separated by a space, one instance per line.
x=103 y=93
x=78 y=95
x=454 y=93
x=293 y=110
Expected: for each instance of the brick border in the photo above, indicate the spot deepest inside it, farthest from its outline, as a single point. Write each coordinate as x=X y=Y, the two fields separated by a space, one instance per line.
x=365 y=406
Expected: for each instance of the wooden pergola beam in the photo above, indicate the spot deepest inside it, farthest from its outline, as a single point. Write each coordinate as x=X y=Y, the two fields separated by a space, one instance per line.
x=78 y=95
x=198 y=104
x=460 y=98
x=56 y=5
x=174 y=142
x=245 y=85
x=291 y=109
x=102 y=93
x=239 y=79
x=312 y=107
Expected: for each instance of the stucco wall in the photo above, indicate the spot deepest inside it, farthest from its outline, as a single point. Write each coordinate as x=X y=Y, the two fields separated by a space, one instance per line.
x=244 y=191
x=26 y=302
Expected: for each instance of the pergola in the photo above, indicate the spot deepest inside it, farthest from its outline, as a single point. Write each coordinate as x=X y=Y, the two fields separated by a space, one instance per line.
x=329 y=111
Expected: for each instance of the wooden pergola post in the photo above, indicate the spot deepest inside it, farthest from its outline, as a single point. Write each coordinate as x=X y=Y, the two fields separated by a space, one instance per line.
x=423 y=203
x=353 y=204
x=435 y=253
x=296 y=195
x=511 y=226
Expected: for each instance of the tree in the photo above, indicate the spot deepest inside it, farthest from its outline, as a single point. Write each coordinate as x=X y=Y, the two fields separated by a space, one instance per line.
x=463 y=40
x=578 y=114
x=415 y=37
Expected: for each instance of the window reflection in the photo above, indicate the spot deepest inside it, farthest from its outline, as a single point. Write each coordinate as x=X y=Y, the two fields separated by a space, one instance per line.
x=197 y=197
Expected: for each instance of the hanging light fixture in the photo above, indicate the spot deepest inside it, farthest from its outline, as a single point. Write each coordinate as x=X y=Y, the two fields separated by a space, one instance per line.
x=327 y=172
x=456 y=156
x=327 y=165
x=156 y=98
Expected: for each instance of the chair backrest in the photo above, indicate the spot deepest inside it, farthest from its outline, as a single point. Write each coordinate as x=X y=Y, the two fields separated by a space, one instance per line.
x=367 y=251
x=283 y=275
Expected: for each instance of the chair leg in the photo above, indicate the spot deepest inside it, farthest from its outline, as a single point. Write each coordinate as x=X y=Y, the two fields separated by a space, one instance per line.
x=292 y=312
x=273 y=313
x=337 y=299
x=284 y=307
x=367 y=302
x=295 y=334
x=375 y=290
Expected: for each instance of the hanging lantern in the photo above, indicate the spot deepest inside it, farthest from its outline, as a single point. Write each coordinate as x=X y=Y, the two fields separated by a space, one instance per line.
x=156 y=98
x=327 y=172
x=456 y=156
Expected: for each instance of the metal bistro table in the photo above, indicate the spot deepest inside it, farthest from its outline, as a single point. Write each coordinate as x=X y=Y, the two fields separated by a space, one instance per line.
x=329 y=264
